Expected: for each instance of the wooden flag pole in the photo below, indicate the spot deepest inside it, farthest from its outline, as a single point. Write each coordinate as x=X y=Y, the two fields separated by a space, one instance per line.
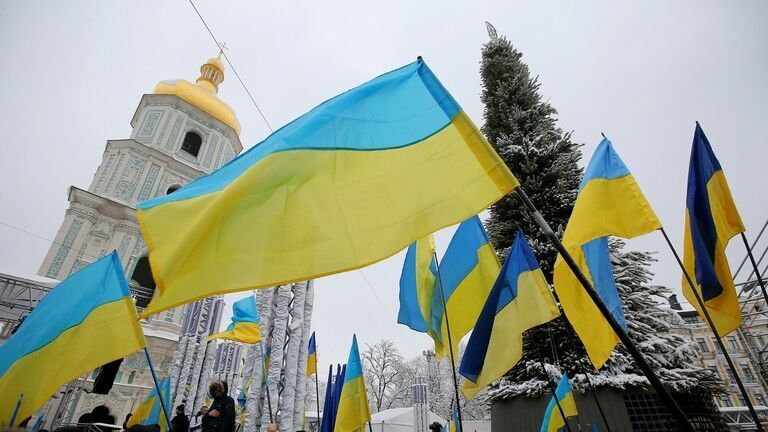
x=157 y=387
x=16 y=411
x=754 y=267
x=712 y=327
x=654 y=380
x=450 y=341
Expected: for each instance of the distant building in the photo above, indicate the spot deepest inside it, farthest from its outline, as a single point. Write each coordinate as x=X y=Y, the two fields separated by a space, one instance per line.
x=743 y=347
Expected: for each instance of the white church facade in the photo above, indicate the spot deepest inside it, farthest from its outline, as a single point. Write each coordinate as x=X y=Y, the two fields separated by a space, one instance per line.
x=180 y=132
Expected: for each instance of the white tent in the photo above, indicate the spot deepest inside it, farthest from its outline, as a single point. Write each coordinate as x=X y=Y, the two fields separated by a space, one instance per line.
x=398 y=420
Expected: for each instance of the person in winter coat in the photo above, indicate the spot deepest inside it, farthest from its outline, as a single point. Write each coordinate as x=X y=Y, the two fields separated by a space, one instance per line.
x=221 y=414
x=180 y=423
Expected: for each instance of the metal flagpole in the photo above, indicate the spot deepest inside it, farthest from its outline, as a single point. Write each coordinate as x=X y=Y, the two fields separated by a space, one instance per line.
x=754 y=266
x=718 y=338
x=317 y=388
x=597 y=402
x=663 y=393
x=16 y=411
x=754 y=243
x=450 y=341
x=266 y=381
x=586 y=375
x=553 y=389
x=157 y=387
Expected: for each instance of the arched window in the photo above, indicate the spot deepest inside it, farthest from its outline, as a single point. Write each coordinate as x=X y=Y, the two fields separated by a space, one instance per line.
x=192 y=143
x=173 y=189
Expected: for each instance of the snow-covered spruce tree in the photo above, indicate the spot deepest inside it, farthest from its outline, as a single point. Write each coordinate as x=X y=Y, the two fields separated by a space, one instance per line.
x=522 y=128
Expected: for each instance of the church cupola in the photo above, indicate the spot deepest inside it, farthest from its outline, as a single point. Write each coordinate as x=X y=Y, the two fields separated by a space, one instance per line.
x=203 y=93
x=211 y=74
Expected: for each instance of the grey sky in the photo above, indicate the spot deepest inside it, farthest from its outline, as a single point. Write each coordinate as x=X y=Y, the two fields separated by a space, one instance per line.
x=73 y=72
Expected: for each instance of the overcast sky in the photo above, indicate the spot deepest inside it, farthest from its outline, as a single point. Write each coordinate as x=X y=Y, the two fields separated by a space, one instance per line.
x=72 y=74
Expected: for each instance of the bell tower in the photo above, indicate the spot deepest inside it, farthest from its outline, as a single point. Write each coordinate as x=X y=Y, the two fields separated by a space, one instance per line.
x=180 y=132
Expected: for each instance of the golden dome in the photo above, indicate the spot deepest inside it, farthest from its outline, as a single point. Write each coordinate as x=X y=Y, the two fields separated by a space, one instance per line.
x=202 y=94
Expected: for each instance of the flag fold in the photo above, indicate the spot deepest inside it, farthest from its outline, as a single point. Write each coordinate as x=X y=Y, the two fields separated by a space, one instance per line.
x=87 y=320
x=520 y=300
x=245 y=325
x=609 y=203
x=349 y=183
x=711 y=220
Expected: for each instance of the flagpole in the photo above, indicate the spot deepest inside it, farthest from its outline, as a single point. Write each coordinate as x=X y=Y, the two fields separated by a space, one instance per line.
x=317 y=388
x=266 y=381
x=597 y=402
x=450 y=341
x=662 y=391
x=16 y=411
x=754 y=266
x=157 y=387
x=586 y=375
x=553 y=389
x=712 y=327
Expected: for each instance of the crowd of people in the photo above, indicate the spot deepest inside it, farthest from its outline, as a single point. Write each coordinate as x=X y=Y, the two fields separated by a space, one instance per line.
x=218 y=417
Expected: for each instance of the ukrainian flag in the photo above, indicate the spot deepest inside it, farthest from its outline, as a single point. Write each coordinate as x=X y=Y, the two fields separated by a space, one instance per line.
x=520 y=300
x=150 y=412
x=312 y=356
x=245 y=325
x=453 y=423
x=711 y=220
x=609 y=203
x=87 y=320
x=347 y=184
x=353 y=411
x=553 y=420
x=417 y=284
x=468 y=270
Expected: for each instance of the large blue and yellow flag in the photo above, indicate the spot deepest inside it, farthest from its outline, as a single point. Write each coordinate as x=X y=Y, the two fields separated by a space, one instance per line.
x=553 y=419
x=87 y=320
x=349 y=183
x=520 y=300
x=245 y=325
x=417 y=283
x=468 y=271
x=609 y=203
x=150 y=411
x=312 y=356
x=353 y=411
x=711 y=220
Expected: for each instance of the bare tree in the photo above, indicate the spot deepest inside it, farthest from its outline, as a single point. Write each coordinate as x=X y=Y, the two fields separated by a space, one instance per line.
x=383 y=365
